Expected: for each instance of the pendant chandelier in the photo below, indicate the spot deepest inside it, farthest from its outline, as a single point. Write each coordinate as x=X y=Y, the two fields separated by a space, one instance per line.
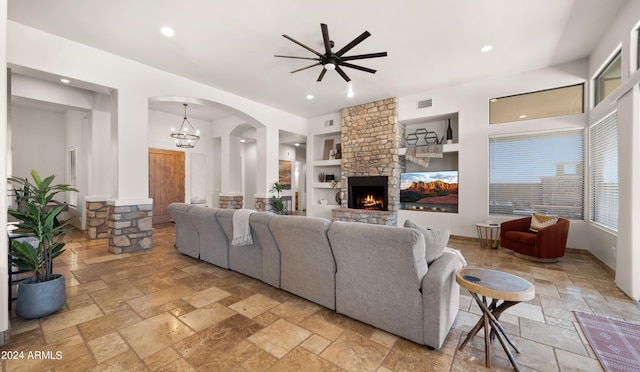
x=186 y=136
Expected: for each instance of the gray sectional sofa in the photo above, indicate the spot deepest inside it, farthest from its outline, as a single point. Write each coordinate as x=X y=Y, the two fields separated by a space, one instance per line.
x=373 y=273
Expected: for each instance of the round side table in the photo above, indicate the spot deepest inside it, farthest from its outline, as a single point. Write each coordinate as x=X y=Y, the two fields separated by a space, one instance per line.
x=489 y=234
x=500 y=286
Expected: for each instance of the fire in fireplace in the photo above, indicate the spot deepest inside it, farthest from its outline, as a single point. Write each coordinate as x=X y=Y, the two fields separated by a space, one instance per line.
x=369 y=193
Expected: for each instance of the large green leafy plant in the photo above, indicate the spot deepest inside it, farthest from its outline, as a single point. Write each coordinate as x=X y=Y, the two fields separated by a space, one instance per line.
x=38 y=220
x=276 y=201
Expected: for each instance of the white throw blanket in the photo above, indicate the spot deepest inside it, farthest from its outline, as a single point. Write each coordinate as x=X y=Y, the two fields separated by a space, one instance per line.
x=456 y=252
x=241 y=227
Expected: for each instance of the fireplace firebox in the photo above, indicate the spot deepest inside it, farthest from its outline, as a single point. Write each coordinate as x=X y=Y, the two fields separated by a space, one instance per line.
x=369 y=193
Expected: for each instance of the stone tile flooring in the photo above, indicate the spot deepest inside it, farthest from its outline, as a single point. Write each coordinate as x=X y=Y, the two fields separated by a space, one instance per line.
x=161 y=311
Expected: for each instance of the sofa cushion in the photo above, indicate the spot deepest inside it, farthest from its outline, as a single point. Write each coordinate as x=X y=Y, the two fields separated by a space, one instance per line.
x=522 y=237
x=540 y=221
x=435 y=240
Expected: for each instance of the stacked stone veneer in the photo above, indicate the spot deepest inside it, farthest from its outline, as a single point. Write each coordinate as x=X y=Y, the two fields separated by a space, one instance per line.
x=130 y=228
x=361 y=215
x=231 y=202
x=97 y=213
x=371 y=137
x=262 y=204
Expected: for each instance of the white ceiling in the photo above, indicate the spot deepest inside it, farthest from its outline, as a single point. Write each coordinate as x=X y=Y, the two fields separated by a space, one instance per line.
x=231 y=44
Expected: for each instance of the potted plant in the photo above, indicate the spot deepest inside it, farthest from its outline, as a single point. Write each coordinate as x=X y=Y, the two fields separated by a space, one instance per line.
x=276 y=201
x=44 y=293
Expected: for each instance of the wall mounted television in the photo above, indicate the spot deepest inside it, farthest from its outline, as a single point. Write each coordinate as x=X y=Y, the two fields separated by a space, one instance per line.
x=433 y=191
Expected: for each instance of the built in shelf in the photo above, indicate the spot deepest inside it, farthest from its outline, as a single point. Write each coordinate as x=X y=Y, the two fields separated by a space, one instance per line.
x=451 y=147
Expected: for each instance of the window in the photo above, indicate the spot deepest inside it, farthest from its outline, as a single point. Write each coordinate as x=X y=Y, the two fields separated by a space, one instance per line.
x=542 y=104
x=537 y=172
x=608 y=80
x=603 y=170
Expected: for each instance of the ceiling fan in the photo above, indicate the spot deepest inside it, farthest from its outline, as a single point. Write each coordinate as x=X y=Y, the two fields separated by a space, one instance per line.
x=334 y=60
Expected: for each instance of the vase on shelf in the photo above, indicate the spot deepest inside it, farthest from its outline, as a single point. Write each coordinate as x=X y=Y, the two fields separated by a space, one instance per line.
x=449 y=133
x=338 y=151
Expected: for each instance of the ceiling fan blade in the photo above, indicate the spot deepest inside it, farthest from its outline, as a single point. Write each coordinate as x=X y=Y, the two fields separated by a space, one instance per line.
x=304 y=68
x=324 y=71
x=309 y=58
x=344 y=76
x=353 y=43
x=363 y=56
x=302 y=45
x=358 y=67
x=325 y=38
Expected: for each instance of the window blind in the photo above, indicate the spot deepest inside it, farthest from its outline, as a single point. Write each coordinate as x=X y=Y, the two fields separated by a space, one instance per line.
x=603 y=170
x=540 y=172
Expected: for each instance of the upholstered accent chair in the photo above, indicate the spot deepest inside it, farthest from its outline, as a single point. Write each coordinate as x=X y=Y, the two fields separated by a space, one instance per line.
x=547 y=245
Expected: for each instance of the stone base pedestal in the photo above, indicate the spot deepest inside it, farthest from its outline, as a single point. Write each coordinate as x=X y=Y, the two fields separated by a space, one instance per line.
x=130 y=228
x=262 y=204
x=231 y=202
x=366 y=216
x=97 y=220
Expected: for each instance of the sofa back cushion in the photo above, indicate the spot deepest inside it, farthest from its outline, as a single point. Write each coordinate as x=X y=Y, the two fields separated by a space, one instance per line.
x=187 y=240
x=307 y=266
x=378 y=280
x=214 y=245
x=270 y=253
x=245 y=259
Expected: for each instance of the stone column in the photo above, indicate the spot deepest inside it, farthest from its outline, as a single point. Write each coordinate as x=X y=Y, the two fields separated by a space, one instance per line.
x=97 y=212
x=130 y=227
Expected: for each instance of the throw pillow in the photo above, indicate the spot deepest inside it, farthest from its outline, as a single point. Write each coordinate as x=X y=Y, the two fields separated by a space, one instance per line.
x=435 y=240
x=540 y=221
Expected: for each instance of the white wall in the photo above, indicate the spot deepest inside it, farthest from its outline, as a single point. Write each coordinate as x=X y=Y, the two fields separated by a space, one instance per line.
x=621 y=250
x=38 y=141
x=74 y=138
x=288 y=152
x=249 y=167
x=301 y=159
x=4 y=264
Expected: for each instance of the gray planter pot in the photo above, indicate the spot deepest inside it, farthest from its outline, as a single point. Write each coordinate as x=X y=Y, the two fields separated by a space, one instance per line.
x=37 y=300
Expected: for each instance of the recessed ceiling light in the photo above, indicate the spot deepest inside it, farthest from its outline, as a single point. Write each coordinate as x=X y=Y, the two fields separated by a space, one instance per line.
x=486 y=48
x=309 y=96
x=297 y=144
x=243 y=140
x=66 y=81
x=522 y=116
x=167 y=31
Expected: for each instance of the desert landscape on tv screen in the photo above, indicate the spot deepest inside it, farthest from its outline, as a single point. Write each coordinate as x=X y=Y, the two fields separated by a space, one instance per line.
x=429 y=188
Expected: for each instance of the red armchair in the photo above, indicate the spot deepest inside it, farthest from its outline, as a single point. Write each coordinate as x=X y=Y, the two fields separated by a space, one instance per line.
x=547 y=244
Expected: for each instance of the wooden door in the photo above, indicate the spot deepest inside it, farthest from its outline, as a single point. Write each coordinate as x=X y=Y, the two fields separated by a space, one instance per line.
x=166 y=181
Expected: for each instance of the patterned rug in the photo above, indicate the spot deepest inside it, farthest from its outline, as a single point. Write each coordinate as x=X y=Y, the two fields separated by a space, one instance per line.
x=616 y=343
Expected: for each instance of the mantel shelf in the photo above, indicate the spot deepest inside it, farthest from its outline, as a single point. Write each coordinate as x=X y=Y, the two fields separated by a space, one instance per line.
x=325 y=185
x=319 y=163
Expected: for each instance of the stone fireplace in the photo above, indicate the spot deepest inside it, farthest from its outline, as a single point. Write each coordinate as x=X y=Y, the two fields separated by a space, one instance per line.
x=370 y=140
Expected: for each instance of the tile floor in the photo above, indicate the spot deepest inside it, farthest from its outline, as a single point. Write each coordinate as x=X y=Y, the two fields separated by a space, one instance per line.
x=161 y=311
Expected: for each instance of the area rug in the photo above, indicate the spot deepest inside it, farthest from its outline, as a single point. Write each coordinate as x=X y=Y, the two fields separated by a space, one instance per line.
x=616 y=343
